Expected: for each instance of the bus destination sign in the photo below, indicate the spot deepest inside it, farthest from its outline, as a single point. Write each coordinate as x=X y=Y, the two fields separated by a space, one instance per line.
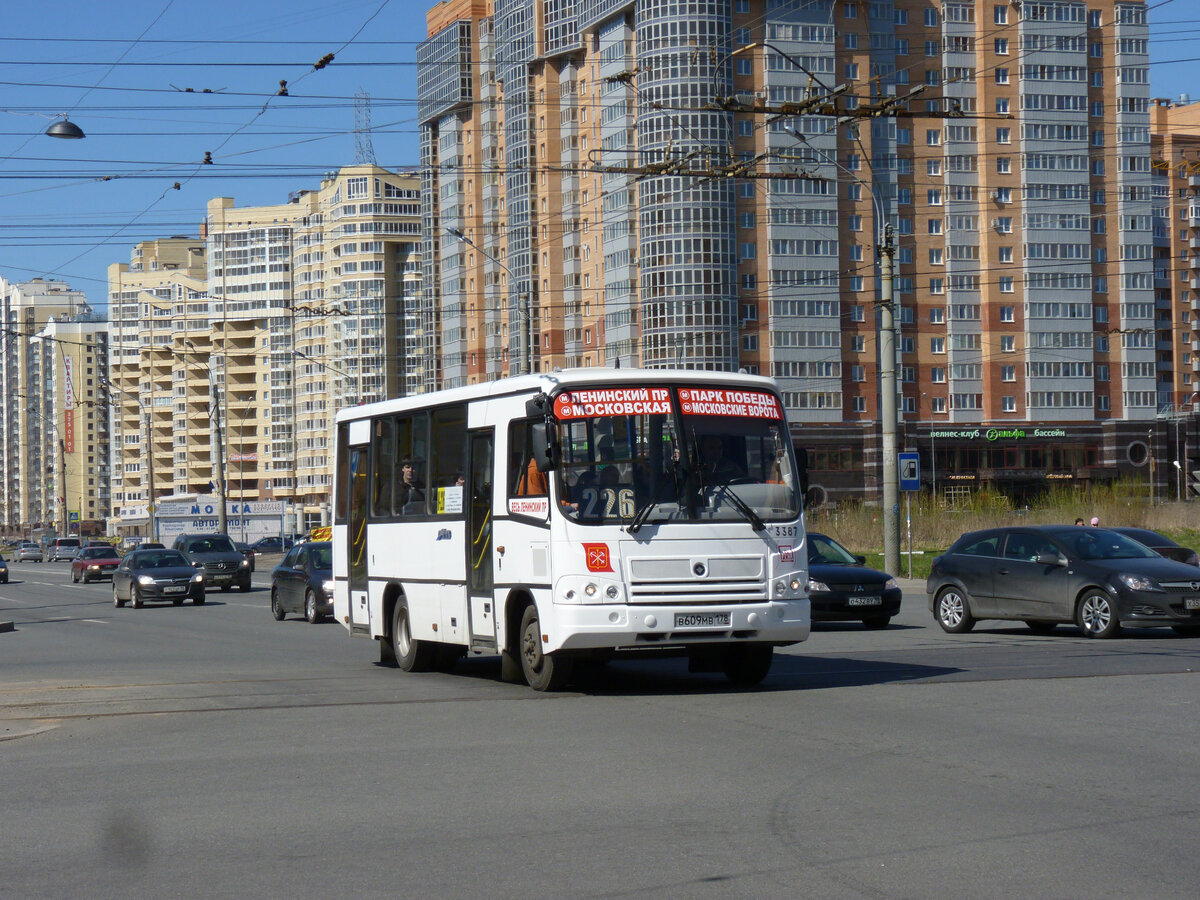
x=583 y=404
x=714 y=402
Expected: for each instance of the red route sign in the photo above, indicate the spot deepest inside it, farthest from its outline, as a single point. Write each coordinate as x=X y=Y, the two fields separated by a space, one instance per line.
x=631 y=401
x=721 y=402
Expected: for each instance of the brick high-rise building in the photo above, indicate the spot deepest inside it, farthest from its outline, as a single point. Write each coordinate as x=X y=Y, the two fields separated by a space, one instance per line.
x=703 y=184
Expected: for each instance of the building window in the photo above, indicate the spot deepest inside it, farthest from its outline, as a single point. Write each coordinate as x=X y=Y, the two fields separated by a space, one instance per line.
x=1002 y=106
x=1002 y=46
x=1002 y=76
x=749 y=343
x=937 y=345
x=1006 y=314
x=933 y=168
x=934 y=197
x=933 y=137
x=1008 y=343
x=1000 y=15
x=1005 y=254
x=1003 y=136
x=859 y=404
x=857 y=314
x=1004 y=165
x=858 y=343
x=1006 y=287
x=858 y=373
x=937 y=374
x=1003 y=224
x=936 y=286
x=852 y=42
x=1008 y=404
x=851 y=71
x=1008 y=373
x=937 y=315
x=1102 y=404
x=938 y=404
x=745 y=67
x=935 y=256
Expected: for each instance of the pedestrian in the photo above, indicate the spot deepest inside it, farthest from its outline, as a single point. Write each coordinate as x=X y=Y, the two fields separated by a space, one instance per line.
x=1080 y=522
x=1096 y=521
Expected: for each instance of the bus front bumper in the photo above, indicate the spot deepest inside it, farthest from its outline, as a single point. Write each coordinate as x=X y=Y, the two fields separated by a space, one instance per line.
x=621 y=626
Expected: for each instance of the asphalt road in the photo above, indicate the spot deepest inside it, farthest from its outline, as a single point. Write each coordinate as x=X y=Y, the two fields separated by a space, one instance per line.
x=211 y=751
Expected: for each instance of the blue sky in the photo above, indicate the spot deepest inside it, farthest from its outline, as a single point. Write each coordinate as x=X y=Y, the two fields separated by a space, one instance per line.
x=121 y=71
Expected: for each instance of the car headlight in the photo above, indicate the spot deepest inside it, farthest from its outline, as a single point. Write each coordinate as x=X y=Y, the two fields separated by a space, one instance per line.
x=198 y=578
x=146 y=579
x=815 y=586
x=245 y=563
x=891 y=585
x=327 y=586
x=1139 y=582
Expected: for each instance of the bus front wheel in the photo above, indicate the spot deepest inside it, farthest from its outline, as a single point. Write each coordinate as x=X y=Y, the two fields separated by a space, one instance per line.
x=411 y=655
x=748 y=664
x=543 y=671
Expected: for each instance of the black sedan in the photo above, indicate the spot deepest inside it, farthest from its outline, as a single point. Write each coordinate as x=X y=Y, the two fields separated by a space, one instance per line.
x=1161 y=544
x=1051 y=574
x=159 y=575
x=303 y=582
x=841 y=588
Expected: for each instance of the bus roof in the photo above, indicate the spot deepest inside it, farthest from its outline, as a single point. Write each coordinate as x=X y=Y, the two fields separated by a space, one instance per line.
x=549 y=382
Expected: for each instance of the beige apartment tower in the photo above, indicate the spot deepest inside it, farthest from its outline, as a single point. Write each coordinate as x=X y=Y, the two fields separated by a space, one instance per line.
x=707 y=185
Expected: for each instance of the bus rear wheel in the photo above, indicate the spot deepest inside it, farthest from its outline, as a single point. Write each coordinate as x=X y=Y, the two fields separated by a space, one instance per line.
x=543 y=671
x=411 y=655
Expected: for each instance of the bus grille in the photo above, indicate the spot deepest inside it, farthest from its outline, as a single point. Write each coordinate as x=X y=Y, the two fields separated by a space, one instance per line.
x=697 y=580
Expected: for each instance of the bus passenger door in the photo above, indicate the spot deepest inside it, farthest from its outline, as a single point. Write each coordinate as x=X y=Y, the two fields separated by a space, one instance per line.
x=480 y=466
x=356 y=540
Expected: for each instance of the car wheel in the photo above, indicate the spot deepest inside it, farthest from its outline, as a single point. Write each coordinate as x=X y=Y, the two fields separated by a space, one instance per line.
x=748 y=664
x=135 y=597
x=117 y=601
x=1096 y=615
x=84 y=578
x=1038 y=626
x=876 y=623
x=310 y=607
x=198 y=598
x=276 y=606
x=244 y=587
x=543 y=671
x=411 y=655
x=953 y=612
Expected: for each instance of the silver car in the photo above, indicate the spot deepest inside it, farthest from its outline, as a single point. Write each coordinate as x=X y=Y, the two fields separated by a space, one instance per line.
x=29 y=552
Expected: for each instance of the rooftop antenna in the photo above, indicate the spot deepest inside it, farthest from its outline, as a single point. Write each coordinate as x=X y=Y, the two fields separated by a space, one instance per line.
x=364 y=151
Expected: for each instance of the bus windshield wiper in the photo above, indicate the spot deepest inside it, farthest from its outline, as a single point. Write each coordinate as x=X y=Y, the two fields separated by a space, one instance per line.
x=743 y=507
x=640 y=517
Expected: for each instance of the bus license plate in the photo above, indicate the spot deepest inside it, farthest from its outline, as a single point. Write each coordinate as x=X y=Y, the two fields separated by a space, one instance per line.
x=864 y=601
x=1191 y=603
x=702 y=620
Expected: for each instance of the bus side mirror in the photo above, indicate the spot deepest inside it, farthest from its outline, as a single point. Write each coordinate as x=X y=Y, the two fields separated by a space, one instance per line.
x=542 y=446
x=802 y=470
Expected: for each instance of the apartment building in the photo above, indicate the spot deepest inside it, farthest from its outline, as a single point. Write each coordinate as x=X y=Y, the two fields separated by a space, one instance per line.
x=240 y=345
x=1175 y=134
x=706 y=184
x=53 y=431
x=156 y=302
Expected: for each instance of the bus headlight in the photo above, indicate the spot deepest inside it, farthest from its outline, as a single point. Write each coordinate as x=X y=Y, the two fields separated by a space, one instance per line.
x=612 y=592
x=590 y=589
x=780 y=588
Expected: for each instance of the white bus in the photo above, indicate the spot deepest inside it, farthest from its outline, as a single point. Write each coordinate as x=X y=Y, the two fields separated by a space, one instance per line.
x=568 y=516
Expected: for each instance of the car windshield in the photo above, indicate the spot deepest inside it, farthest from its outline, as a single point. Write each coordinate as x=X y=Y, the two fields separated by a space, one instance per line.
x=215 y=544
x=158 y=559
x=1100 y=543
x=97 y=553
x=823 y=550
x=674 y=454
x=321 y=557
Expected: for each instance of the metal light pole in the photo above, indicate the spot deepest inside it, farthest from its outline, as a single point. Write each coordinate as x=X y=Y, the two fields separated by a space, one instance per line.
x=526 y=355
x=887 y=386
x=218 y=455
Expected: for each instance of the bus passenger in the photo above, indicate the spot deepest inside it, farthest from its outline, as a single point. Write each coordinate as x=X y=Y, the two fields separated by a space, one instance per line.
x=410 y=494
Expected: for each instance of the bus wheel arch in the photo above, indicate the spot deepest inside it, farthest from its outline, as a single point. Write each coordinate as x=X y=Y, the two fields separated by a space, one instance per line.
x=541 y=671
x=411 y=655
x=510 y=646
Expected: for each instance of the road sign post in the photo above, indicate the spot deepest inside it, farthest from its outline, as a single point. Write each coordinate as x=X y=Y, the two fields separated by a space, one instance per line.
x=909 y=465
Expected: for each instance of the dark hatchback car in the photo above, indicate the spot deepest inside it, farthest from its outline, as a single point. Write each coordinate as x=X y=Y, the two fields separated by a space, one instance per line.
x=1050 y=574
x=303 y=582
x=841 y=588
x=160 y=575
x=1161 y=544
x=99 y=561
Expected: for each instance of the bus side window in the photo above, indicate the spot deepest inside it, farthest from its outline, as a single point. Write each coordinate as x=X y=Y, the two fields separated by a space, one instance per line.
x=447 y=457
x=383 y=461
x=524 y=478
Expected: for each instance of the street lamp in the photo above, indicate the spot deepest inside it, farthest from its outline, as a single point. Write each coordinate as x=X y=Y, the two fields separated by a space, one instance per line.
x=885 y=251
x=523 y=299
x=107 y=385
x=65 y=128
x=1182 y=473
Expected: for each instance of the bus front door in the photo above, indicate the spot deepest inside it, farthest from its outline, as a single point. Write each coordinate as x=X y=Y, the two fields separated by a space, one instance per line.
x=479 y=533
x=356 y=539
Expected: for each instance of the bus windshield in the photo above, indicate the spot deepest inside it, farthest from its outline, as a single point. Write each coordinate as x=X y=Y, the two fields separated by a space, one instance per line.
x=658 y=454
